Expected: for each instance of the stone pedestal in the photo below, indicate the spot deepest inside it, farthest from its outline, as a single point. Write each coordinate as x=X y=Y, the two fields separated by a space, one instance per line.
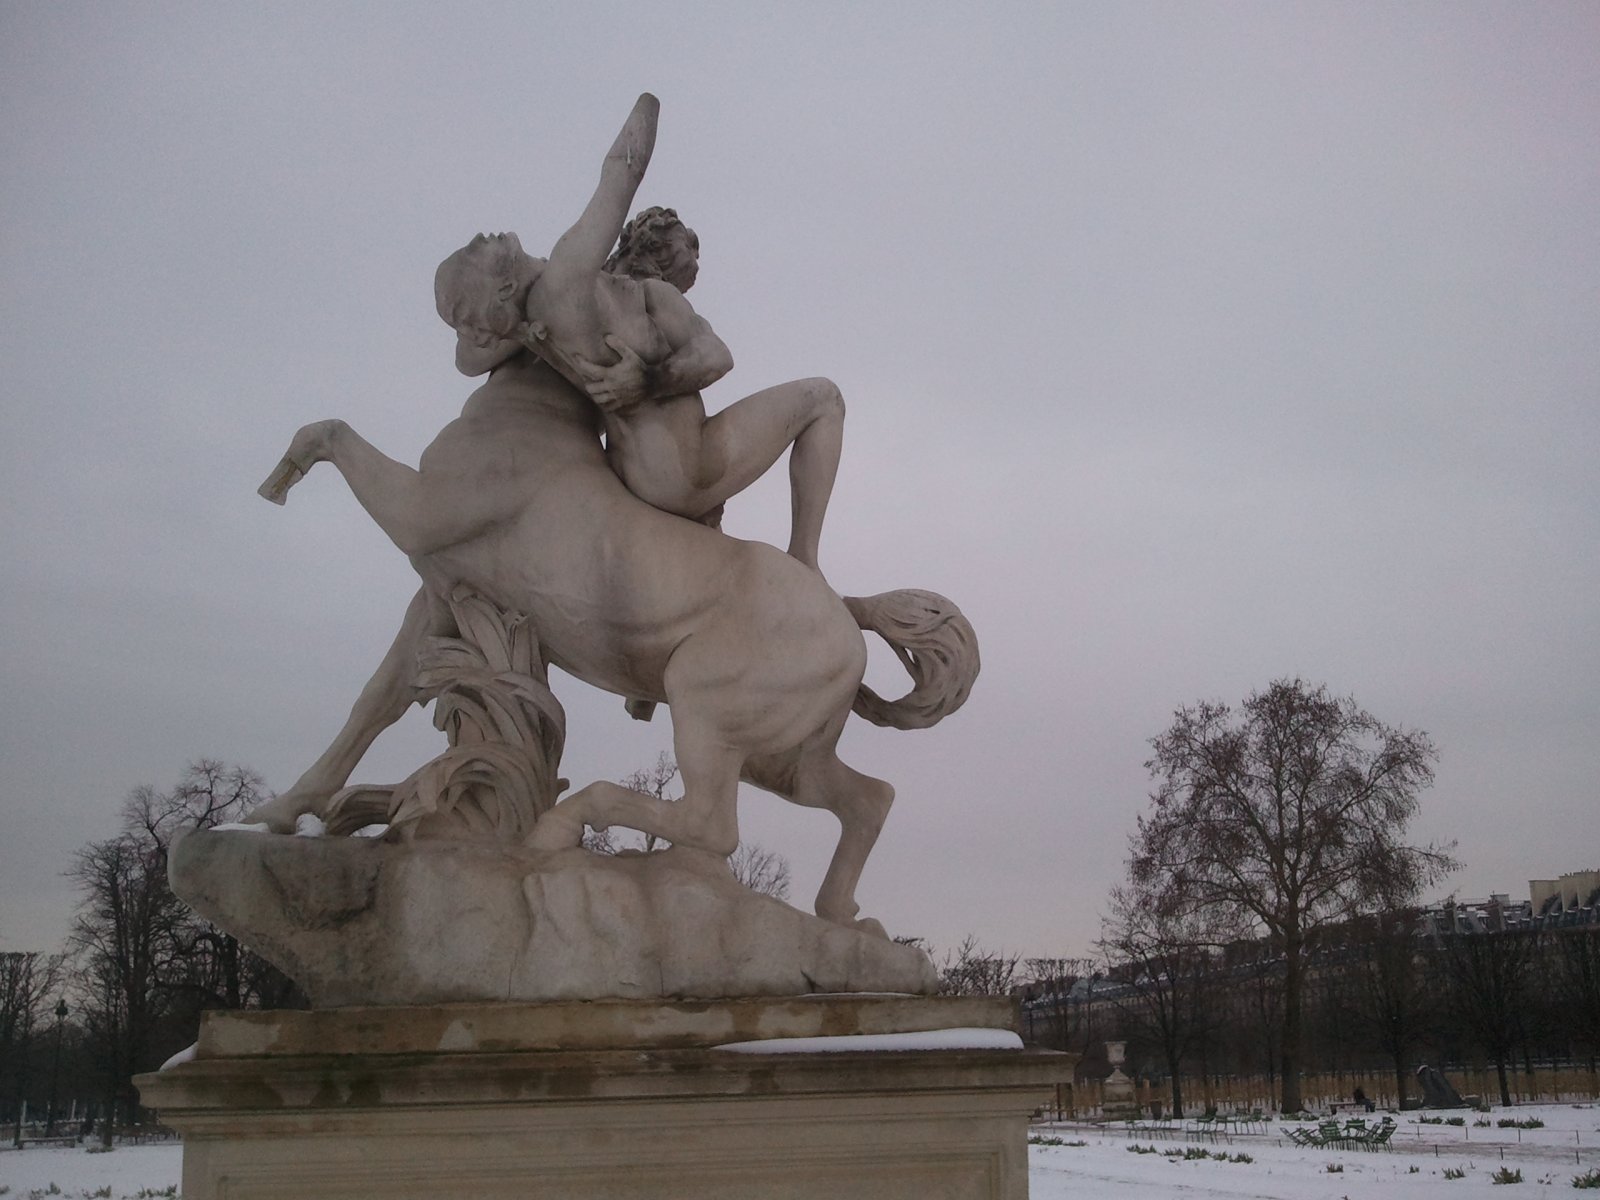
x=607 y=1099
x=1117 y=1098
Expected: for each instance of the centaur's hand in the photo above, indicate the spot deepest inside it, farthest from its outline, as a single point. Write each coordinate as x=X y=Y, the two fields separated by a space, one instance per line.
x=621 y=385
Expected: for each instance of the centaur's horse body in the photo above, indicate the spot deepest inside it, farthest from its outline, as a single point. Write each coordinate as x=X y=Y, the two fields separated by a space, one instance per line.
x=758 y=658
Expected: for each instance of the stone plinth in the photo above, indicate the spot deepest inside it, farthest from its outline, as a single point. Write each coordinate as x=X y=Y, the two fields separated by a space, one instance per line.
x=610 y=1100
x=356 y=921
x=1117 y=1098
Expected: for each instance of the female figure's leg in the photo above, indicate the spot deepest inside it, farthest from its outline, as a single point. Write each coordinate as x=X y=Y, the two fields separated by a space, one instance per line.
x=736 y=446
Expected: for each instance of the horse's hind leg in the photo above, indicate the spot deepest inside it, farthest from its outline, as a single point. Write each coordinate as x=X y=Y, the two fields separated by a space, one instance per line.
x=384 y=700
x=815 y=777
x=706 y=817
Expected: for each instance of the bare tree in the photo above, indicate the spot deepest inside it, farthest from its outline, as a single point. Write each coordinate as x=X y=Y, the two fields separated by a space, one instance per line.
x=1057 y=980
x=27 y=982
x=1577 y=974
x=124 y=937
x=760 y=870
x=1290 y=810
x=1389 y=997
x=145 y=964
x=207 y=963
x=970 y=970
x=1489 y=986
x=1166 y=956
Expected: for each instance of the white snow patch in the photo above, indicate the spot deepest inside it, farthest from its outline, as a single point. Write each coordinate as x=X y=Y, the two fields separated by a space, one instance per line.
x=371 y=831
x=932 y=1039
x=245 y=826
x=309 y=825
x=182 y=1056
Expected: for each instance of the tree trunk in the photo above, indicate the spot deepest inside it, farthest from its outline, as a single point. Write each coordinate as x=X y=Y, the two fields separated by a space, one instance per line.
x=1400 y=1082
x=1177 y=1085
x=1500 y=1070
x=1289 y=1057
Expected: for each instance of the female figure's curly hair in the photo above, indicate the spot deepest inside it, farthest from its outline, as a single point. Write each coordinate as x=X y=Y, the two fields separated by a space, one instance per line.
x=642 y=251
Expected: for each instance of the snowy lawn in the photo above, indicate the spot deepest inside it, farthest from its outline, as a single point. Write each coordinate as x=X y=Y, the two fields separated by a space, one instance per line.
x=1102 y=1167
x=126 y=1173
x=1280 y=1170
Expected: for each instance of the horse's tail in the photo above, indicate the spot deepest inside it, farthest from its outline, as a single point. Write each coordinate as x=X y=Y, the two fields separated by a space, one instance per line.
x=934 y=643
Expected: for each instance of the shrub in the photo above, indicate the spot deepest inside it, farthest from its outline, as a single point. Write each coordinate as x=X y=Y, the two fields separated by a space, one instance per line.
x=1335 y=1168
x=1135 y=1148
x=1589 y=1179
x=1513 y=1123
x=1239 y=1158
x=1456 y=1121
x=1455 y=1172
x=1506 y=1175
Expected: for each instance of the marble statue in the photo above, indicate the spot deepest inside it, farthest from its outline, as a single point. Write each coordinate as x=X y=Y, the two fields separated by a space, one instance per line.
x=538 y=543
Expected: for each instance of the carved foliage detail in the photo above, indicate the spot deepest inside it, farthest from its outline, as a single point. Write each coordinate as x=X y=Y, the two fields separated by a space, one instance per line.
x=506 y=730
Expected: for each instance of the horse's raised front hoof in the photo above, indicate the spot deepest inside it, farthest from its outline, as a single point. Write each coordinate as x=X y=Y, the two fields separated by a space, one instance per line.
x=284 y=476
x=556 y=830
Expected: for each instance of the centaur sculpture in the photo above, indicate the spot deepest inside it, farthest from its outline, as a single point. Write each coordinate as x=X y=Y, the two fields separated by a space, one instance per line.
x=610 y=555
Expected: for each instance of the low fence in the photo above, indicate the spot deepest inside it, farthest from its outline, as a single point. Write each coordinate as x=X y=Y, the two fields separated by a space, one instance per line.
x=1243 y=1093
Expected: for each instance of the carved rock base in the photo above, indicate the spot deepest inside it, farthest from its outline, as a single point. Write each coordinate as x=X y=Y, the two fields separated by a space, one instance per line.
x=356 y=921
x=599 y=1101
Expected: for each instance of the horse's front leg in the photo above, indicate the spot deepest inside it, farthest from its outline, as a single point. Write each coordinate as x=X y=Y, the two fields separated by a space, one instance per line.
x=391 y=690
x=420 y=514
x=311 y=445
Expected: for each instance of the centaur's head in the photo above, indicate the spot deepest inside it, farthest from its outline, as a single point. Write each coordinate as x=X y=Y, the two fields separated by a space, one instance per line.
x=480 y=292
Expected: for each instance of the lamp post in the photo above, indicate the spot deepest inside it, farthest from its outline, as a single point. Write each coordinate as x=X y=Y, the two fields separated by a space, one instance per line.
x=55 y=1071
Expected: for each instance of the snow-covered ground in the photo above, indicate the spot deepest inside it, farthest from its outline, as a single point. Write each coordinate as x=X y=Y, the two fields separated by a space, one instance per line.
x=129 y=1171
x=1548 y=1158
x=1101 y=1167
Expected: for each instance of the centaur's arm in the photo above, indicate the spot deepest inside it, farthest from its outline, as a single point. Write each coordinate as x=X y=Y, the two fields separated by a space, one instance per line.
x=698 y=359
x=585 y=246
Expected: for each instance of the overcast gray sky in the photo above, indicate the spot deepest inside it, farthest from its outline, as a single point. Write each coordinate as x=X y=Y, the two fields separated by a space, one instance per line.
x=1185 y=346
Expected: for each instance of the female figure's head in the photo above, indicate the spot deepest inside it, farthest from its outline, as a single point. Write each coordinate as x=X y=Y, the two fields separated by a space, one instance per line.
x=657 y=245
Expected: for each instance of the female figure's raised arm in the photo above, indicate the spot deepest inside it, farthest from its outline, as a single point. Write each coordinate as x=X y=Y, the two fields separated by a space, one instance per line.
x=585 y=246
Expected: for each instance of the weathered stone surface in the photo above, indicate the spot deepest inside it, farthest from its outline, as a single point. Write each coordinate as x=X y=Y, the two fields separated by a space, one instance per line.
x=536 y=544
x=588 y=1024
x=495 y=1120
x=362 y=922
